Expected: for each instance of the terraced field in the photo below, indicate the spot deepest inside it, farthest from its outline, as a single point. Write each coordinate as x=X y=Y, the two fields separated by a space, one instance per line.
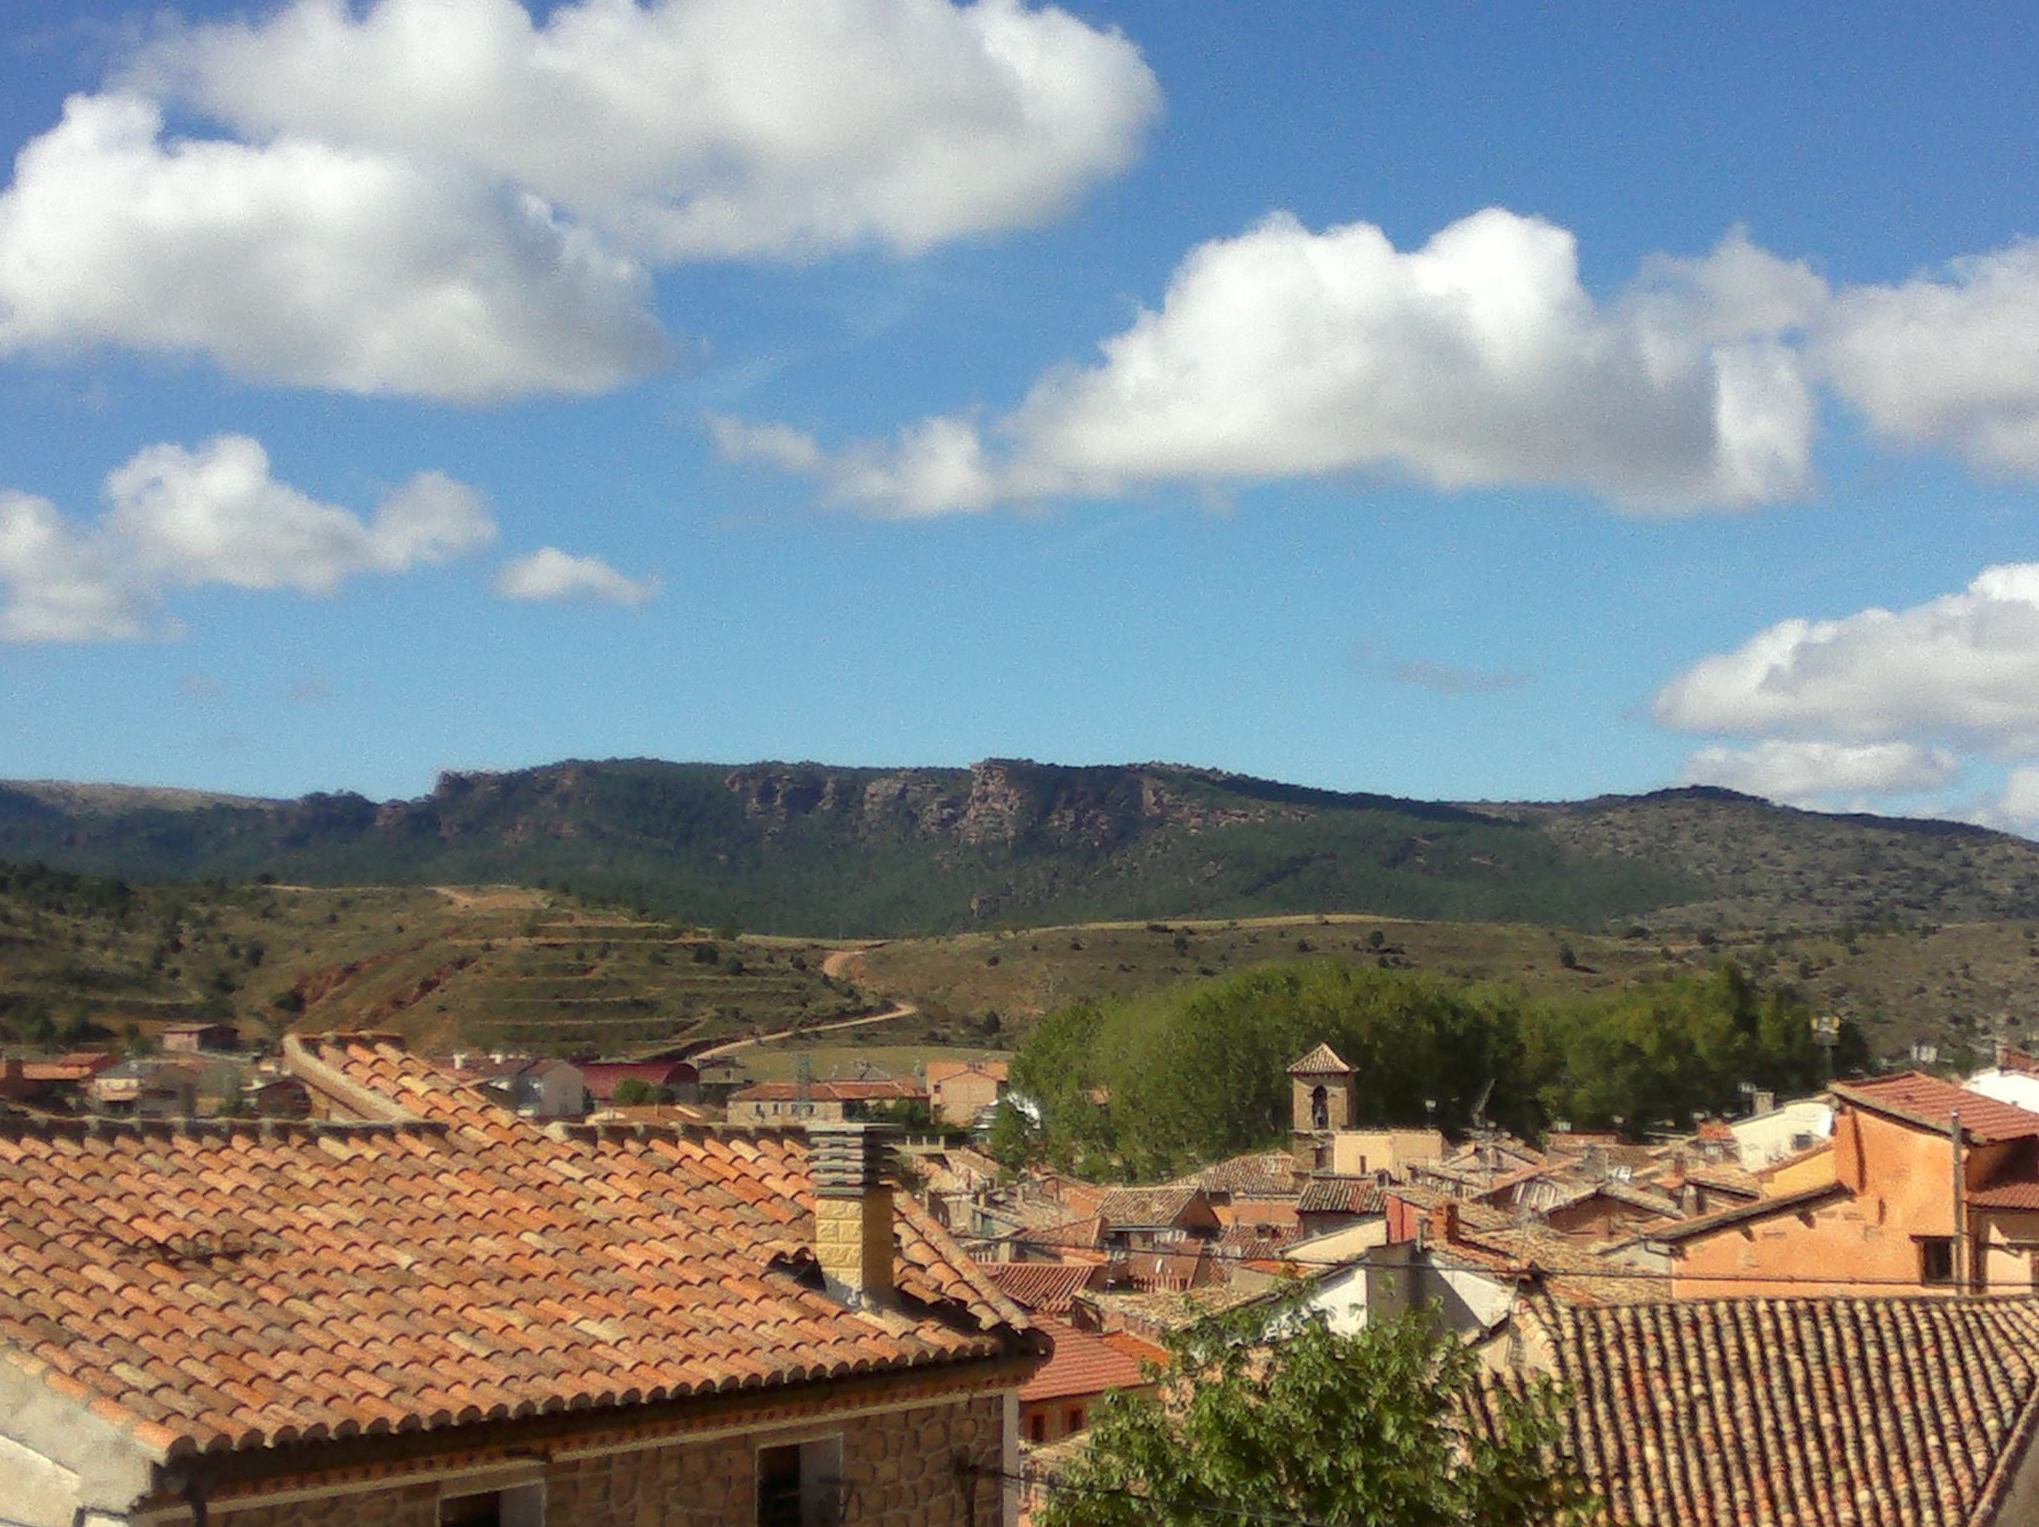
x=489 y=967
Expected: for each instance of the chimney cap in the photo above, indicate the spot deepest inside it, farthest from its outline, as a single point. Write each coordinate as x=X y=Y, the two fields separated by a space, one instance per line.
x=847 y=1158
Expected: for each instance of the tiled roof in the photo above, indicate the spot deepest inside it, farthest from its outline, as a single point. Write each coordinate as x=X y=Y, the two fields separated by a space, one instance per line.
x=1471 y=1213
x=652 y=1113
x=1257 y=1239
x=2010 y=1058
x=1048 y=1288
x=1811 y=1412
x=229 y=1285
x=1929 y=1101
x=941 y=1071
x=1744 y=1214
x=1082 y=1363
x=1162 y=1270
x=601 y=1076
x=2006 y=1195
x=1076 y=1232
x=1257 y=1174
x=1340 y=1195
x=1322 y=1061
x=1147 y=1207
x=1724 y=1177
x=1171 y=1309
x=873 y=1090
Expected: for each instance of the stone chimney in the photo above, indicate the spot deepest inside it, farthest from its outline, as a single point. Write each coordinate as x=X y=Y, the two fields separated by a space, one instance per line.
x=1444 y=1222
x=852 y=1208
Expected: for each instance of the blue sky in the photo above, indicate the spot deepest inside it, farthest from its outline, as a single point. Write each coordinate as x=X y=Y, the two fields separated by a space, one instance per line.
x=1436 y=561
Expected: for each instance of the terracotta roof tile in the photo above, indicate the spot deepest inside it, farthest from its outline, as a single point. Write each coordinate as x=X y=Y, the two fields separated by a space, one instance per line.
x=869 y=1090
x=1744 y=1214
x=1322 y=1061
x=1257 y=1174
x=234 y=1284
x=1816 y=1412
x=1081 y=1363
x=1147 y=1207
x=1079 y=1233
x=1048 y=1288
x=1340 y=1195
x=1930 y=1101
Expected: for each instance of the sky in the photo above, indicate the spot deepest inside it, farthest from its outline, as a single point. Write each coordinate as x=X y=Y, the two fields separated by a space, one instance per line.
x=1466 y=402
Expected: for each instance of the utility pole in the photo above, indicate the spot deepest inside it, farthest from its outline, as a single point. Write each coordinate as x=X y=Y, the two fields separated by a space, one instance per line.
x=1961 y=1256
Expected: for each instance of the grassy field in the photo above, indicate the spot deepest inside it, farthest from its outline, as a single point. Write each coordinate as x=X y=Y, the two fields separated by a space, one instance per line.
x=780 y=1062
x=965 y=981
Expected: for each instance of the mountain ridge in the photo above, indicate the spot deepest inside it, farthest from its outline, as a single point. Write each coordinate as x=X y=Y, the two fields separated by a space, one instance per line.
x=804 y=847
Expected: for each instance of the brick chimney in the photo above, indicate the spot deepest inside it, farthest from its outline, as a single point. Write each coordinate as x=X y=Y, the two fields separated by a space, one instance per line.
x=1444 y=1222
x=852 y=1208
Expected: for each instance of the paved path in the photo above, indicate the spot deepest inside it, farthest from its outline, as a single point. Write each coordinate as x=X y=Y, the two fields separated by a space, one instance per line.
x=728 y=1047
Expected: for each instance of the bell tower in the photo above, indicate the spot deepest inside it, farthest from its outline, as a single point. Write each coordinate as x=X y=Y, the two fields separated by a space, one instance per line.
x=1321 y=1100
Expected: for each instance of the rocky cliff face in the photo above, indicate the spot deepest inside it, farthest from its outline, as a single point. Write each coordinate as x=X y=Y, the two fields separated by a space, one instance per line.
x=999 y=802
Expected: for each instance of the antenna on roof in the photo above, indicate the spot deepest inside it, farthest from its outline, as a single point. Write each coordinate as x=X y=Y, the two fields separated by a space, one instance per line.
x=1483 y=1132
x=1480 y=1103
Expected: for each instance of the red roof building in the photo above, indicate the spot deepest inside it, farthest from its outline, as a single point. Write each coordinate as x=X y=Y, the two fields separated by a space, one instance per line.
x=1081 y=1369
x=423 y=1291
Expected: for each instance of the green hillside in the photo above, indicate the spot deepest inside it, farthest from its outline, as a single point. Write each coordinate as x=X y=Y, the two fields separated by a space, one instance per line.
x=493 y=967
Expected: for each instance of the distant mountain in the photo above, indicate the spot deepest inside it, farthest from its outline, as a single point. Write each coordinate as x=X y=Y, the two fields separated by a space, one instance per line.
x=807 y=848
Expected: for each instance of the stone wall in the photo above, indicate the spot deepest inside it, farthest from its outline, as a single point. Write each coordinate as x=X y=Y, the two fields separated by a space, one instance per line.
x=404 y=1506
x=899 y=1468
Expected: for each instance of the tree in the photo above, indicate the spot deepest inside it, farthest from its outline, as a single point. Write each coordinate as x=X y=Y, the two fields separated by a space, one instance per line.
x=636 y=1092
x=1267 y=1414
x=1013 y=1140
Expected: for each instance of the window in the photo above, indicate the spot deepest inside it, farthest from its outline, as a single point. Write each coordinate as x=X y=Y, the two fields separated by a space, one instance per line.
x=1037 y=1423
x=800 y=1484
x=1936 y=1259
x=1076 y=1418
x=521 y=1506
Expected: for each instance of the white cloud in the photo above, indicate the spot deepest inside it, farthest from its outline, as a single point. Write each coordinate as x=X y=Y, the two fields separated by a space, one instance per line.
x=1806 y=773
x=2018 y=807
x=704 y=128
x=1950 y=360
x=554 y=576
x=1477 y=360
x=298 y=262
x=216 y=515
x=1962 y=668
x=444 y=199
x=58 y=586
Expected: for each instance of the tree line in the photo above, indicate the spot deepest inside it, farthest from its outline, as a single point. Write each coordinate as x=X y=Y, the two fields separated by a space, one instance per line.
x=1156 y=1084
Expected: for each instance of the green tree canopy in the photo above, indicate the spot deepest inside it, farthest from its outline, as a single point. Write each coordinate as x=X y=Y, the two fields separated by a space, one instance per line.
x=1155 y=1084
x=1271 y=1416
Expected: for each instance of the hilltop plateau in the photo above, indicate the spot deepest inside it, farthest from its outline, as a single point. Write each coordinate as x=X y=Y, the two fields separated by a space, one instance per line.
x=819 y=851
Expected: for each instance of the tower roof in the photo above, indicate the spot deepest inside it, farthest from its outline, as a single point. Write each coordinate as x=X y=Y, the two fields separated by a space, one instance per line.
x=1322 y=1061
